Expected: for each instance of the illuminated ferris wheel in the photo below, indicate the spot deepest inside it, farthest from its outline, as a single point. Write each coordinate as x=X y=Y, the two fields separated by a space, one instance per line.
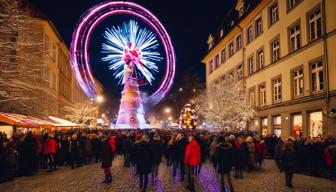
x=132 y=53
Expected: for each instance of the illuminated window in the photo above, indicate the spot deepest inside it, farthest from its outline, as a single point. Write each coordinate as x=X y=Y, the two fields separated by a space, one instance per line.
x=231 y=49
x=317 y=76
x=275 y=50
x=258 y=27
x=298 y=82
x=277 y=95
x=239 y=42
x=274 y=13
x=251 y=65
x=262 y=95
x=249 y=34
x=223 y=56
x=315 y=26
x=295 y=37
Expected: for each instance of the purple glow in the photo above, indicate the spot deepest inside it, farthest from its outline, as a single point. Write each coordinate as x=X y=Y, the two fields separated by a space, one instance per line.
x=79 y=53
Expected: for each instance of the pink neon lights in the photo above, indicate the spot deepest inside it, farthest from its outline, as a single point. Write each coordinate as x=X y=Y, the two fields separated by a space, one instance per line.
x=79 y=47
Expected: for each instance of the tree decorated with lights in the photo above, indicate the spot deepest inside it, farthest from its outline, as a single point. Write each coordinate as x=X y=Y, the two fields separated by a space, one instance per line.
x=188 y=117
x=225 y=103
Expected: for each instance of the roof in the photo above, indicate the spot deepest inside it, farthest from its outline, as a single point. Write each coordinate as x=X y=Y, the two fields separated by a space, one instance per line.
x=59 y=122
x=24 y=121
x=232 y=20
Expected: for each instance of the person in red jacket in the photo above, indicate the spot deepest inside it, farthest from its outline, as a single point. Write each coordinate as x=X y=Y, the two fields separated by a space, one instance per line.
x=49 y=151
x=192 y=158
x=107 y=153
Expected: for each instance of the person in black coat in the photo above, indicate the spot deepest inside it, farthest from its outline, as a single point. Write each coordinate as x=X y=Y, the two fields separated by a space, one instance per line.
x=125 y=146
x=224 y=162
x=237 y=157
x=157 y=151
x=181 y=144
x=73 y=149
x=288 y=162
x=144 y=160
x=27 y=153
x=96 y=147
x=203 y=147
x=106 y=157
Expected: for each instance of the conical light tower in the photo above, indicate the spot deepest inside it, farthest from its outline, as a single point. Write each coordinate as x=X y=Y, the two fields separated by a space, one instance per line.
x=131 y=112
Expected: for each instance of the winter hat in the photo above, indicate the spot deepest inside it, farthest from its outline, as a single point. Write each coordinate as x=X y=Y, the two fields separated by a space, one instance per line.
x=249 y=139
x=232 y=137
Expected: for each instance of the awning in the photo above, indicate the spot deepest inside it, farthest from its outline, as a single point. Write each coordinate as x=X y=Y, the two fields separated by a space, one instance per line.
x=24 y=121
x=59 y=122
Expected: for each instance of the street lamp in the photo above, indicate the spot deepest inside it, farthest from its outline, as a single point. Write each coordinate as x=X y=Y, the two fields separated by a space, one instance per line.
x=170 y=118
x=167 y=110
x=100 y=99
x=180 y=89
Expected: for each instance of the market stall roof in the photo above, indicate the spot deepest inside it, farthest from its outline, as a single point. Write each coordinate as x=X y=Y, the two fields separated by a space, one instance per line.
x=59 y=122
x=24 y=121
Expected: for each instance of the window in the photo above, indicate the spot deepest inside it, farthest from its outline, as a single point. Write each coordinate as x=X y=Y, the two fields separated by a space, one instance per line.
x=316 y=123
x=260 y=59
x=298 y=82
x=292 y=3
x=252 y=97
x=262 y=95
x=210 y=67
x=251 y=65
x=258 y=27
x=275 y=47
x=314 y=25
x=297 y=124
x=294 y=37
x=231 y=49
x=239 y=42
x=277 y=125
x=277 y=120
x=240 y=71
x=317 y=81
x=241 y=11
x=216 y=61
x=249 y=34
x=277 y=90
x=273 y=13
x=264 y=125
x=223 y=56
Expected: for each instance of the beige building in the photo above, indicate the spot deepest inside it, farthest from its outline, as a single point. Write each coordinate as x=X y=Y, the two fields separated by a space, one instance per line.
x=44 y=67
x=282 y=51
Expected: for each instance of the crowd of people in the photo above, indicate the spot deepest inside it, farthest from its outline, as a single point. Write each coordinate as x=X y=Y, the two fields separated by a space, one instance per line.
x=23 y=154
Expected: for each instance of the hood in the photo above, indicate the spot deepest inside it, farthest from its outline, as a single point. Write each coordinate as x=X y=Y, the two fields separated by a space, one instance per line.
x=225 y=145
x=193 y=143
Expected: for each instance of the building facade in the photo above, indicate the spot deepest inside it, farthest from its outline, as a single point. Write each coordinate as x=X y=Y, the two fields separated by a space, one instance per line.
x=282 y=51
x=43 y=66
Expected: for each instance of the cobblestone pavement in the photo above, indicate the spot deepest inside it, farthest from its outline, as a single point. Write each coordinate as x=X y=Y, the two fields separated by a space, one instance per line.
x=88 y=178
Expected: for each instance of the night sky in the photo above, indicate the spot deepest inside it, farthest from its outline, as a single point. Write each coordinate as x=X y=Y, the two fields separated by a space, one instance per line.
x=188 y=22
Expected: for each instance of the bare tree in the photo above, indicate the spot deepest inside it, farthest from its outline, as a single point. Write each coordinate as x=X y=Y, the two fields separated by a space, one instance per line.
x=224 y=104
x=24 y=84
x=81 y=112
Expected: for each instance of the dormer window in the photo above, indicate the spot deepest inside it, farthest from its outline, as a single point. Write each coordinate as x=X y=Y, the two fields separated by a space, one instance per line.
x=211 y=41
x=241 y=12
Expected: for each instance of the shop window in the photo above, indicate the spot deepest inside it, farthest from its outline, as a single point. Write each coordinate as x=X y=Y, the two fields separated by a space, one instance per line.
x=316 y=124
x=297 y=125
x=264 y=125
x=277 y=125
